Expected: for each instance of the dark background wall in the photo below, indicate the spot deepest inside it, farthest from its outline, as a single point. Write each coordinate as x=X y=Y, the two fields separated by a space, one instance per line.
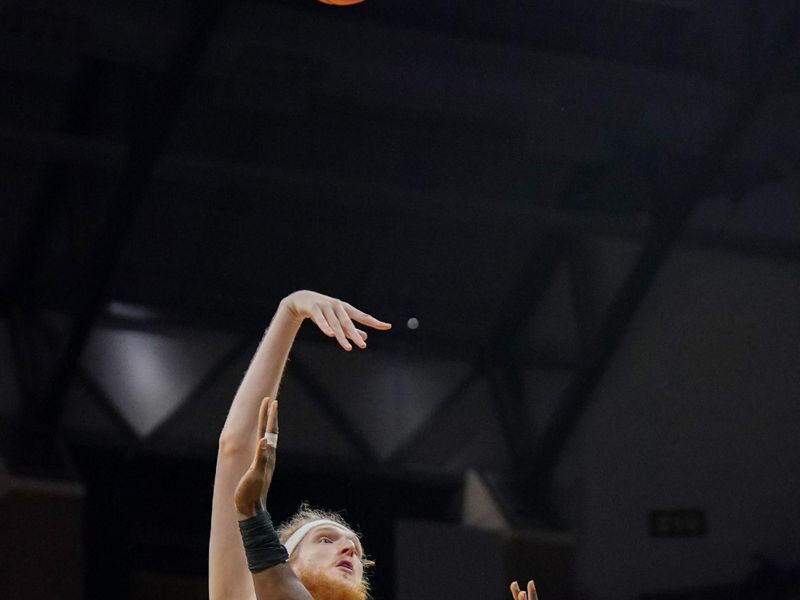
x=720 y=437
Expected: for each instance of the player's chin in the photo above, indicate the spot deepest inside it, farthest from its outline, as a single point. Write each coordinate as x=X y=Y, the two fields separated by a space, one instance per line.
x=346 y=576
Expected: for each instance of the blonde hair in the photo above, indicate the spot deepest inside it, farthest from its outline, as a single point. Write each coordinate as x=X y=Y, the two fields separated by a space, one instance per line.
x=306 y=514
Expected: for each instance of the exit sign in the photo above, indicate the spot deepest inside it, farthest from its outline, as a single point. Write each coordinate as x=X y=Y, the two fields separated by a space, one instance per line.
x=677 y=523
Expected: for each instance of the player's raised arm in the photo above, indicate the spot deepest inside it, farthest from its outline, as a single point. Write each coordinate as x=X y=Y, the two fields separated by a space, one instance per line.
x=229 y=577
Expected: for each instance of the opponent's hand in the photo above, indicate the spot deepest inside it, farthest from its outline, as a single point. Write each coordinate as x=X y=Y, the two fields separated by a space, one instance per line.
x=334 y=317
x=517 y=594
x=250 y=496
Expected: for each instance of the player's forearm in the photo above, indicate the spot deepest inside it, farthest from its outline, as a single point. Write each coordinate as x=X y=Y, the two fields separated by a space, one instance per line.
x=262 y=379
x=229 y=578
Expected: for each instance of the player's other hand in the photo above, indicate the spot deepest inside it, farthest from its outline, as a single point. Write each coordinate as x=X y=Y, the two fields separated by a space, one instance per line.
x=334 y=317
x=518 y=594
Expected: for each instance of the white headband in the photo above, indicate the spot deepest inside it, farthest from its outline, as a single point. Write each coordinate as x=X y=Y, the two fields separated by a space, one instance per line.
x=298 y=535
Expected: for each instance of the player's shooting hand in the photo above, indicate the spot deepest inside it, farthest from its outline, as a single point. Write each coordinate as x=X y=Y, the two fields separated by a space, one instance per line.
x=518 y=594
x=250 y=496
x=334 y=317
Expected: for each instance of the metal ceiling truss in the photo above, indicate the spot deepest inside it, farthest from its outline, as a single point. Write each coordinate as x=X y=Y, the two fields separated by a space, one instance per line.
x=56 y=180
x=150 y=129
x=433 y=424
x=101 y=399
x=584 y=303
x=331 y=409
x=499 y=357
x=206 y=381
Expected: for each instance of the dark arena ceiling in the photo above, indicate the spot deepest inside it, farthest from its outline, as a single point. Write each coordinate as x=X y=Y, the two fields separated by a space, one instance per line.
x=513 y=175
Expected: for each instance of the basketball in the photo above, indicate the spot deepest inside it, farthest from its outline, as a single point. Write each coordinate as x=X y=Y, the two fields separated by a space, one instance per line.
x=341 y=2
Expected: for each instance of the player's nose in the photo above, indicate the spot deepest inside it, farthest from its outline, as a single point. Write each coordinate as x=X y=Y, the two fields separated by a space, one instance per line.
x=348 y=548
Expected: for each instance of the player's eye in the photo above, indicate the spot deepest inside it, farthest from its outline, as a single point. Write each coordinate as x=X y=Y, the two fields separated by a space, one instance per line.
x=325 y=540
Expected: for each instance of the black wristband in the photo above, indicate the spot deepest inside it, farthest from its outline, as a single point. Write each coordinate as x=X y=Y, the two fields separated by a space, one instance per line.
x=261 y=543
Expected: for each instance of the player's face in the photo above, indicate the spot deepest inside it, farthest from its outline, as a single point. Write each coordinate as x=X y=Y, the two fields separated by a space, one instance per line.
x=333 y=551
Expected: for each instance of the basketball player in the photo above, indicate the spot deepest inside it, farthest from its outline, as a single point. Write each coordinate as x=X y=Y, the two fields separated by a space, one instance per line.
x=316 y=555
x=243 y=432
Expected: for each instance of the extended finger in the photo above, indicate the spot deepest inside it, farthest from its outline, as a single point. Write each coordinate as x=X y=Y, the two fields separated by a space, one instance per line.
x=532 y=590
x=514 y=590
x=361 y=317
x=272 y=425
x=272 y=417
x=347 y=324
x=261 y=460
x=263 y=413
x=265 y=453
x=330 y=316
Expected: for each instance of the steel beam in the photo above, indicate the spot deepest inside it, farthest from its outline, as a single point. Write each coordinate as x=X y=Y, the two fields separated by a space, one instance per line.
x=434 y=423
x=328 y=405
x=501 y=354
x=584 y=302
x=56 y=182
x=204 y=384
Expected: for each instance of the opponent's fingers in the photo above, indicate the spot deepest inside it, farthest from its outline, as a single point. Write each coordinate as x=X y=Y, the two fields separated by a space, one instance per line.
x=517 y=593
x=263 y=414
x=272 y=417
x=264 y=460
x=365 y=319
x=348 y=327
x=333 y=320
x=532 y=590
